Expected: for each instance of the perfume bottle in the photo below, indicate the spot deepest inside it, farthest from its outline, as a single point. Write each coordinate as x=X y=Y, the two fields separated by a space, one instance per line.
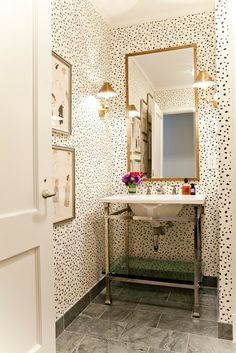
x=186 y=187
x=192 y=189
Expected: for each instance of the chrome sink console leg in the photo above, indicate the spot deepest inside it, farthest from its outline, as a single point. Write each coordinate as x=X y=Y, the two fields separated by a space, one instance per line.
x=127 y=239
x=197 y=260
x=108 y=291
x=107 y=255
x=198 y=210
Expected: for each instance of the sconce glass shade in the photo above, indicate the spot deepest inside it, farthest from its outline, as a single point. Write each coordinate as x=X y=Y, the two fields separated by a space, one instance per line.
x=106 y=91
x=132 y=111
x=203 y=80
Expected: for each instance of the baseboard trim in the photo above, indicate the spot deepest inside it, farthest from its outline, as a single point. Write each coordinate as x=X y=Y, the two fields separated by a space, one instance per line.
x=78 y=307
x=234 y=327
x=209 y=281
x=225 y=331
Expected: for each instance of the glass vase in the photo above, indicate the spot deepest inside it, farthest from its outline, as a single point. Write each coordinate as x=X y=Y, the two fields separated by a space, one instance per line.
x=132 y=188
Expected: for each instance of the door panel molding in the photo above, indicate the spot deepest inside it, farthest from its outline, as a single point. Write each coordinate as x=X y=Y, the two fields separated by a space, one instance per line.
x=35 y=104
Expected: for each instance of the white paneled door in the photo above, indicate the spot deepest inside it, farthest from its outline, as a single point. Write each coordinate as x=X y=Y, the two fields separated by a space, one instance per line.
x=26 y=268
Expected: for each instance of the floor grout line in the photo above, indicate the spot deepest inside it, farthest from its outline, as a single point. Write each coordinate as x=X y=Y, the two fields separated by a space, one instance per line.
x=187 y=343
x=168 y=296
x=159 y=320
x=123 y=330
x=99 y=317
x=77 y=346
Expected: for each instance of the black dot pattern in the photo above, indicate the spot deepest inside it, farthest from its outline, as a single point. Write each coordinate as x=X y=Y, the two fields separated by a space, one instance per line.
x=225 y=167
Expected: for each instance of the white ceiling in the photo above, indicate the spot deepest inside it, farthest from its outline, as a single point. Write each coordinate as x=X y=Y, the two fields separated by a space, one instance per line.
x=120 y=13
x=167 y=70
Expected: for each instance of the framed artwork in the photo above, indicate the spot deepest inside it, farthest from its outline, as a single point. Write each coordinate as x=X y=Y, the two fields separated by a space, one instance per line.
x=136 y=135
x=149 y=144
x=149 y=107
x=143 y=116
x=61 y=97
x=136 y=165
x=63 y=159
x=144 y=157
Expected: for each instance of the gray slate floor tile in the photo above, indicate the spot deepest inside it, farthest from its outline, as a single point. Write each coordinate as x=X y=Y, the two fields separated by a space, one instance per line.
x=209 y=291
x=208 y=313
x=179 y=305
x=106 y=329
x=98 y=345
x=137 y=335
x=92 y=345
x=115 y=292
x=199 y=344
x=130 y=295
x=182 y=296
x=126 y=347
x=144 y=318
x=151 y=350
x=160 y=295
x=80 y=325
x=115 y=313
x=168 y=340
x=94 y=310
x=183 y=324
x=166 y=309
x=124 y=304
x=206 y=296
x=67 y=342
x=209 y=300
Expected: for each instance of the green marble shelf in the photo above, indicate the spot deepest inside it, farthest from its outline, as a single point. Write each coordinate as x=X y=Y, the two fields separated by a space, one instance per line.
x=164 y=269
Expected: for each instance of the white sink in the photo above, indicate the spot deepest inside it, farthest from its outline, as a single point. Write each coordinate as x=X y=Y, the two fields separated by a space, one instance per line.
x=156 y=206
x=155 y=210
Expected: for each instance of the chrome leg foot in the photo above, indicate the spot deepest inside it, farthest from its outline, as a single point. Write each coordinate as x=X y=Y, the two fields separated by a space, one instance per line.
x=108 y=292
x=196 y=311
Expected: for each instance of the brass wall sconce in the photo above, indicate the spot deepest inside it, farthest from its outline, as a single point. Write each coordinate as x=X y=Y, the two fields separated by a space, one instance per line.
x=205 y=81
x=133 y=111
x=106 y=92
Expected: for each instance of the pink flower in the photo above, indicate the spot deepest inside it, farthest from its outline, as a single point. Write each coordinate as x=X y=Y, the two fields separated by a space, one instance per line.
x=132 y=178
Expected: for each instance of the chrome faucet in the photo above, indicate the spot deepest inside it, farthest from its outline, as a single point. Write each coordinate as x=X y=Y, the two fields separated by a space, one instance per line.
x=160 y=190
x=174 y=190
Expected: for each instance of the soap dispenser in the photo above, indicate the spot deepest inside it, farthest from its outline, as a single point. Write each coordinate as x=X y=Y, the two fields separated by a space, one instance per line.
x=192 y=189
x=186 y=187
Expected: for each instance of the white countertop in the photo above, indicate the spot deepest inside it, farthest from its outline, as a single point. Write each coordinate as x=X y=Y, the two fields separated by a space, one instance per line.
x=161 y=199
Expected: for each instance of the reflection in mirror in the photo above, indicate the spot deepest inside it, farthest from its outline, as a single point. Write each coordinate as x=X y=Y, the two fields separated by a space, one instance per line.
x=163 y=133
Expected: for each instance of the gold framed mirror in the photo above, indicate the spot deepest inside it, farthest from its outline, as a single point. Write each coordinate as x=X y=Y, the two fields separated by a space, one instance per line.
x=162 y=113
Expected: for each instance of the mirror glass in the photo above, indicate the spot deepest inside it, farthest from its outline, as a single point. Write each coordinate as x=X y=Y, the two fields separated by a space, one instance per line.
x=162 y=113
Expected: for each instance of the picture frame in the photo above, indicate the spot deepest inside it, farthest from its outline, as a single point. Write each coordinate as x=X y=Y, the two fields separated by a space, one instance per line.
x=61 y=96
x=143 y=116
x=63 y=159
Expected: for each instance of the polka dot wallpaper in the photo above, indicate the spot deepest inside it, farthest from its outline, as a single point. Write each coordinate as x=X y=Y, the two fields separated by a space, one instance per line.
x=97 y=53
x=178 y=241
x=175 y=98
x=81 y=37
x=225 y=167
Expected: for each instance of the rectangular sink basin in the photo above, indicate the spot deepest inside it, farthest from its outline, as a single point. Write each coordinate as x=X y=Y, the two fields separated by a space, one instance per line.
x=155 y=210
